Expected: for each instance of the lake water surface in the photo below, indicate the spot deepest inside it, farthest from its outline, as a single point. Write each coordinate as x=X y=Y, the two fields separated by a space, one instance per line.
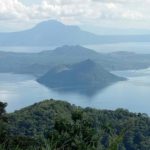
x=23 y=90
x=137 y=47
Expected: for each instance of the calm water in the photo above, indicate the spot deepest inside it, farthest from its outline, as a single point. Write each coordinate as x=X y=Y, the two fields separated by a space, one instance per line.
x=137 y=47
x=26 y=49
x=104 y=48
x=22 y=90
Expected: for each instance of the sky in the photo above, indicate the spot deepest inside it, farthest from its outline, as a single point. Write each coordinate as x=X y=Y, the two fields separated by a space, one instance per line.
x=93 y=15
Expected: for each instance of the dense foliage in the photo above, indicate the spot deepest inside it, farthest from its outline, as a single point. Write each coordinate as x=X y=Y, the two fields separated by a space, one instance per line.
x=58 y=125
x=3 y=122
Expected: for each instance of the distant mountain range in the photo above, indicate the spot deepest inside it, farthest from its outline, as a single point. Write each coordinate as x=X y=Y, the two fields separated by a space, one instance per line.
x=85 y=77
x=40 y=63
x=54 y=33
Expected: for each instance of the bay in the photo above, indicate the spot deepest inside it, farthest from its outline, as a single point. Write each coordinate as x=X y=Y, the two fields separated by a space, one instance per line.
x=134 y=94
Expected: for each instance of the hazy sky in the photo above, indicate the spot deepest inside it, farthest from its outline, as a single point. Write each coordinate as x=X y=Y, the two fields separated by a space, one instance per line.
x=89 y=14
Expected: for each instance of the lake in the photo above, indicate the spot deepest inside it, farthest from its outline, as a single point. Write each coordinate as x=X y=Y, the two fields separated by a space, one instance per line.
x=134 y=94
x=138 y=47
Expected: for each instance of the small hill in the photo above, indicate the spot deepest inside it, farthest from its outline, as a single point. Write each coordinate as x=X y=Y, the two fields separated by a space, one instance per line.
x=111 y=129
x=86 y=77
x=40 y=63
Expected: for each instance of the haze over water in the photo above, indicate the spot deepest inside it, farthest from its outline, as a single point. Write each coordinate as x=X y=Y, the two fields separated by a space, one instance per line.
x=137 y=47
x=22 y=90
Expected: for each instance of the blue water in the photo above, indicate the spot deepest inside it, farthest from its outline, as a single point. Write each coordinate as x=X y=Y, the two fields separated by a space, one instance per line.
x=143 y=47
x=22 y=90
x=22 y=49
x=137 y=47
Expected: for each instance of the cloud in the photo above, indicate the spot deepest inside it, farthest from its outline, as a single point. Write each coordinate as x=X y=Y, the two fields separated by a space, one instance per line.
x=90 y=9
x=76 y=11
x=12 y=9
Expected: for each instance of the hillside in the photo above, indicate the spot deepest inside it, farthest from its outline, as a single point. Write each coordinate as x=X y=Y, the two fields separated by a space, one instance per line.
x=54 y=33
x=40 y=63
x=107 y=130
x=85 y=77
x=48 y=33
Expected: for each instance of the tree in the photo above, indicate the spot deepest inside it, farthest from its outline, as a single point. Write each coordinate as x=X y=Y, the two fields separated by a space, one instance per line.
x=76 y=133
x=3 y=122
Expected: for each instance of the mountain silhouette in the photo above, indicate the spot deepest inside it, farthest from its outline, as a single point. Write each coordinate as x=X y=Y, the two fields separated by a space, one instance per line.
x=85 y=77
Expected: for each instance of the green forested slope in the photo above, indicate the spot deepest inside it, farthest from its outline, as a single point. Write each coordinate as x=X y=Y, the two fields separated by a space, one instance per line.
x=73 y=128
